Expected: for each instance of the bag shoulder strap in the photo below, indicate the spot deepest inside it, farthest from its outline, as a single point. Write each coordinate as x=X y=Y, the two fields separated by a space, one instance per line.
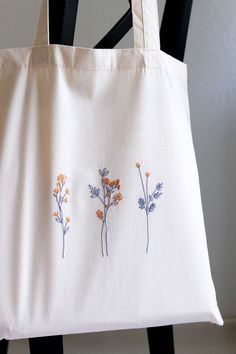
x=42 y=33
x=145 y=24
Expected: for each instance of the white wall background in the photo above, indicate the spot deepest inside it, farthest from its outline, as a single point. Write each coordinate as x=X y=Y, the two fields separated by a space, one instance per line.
x=211 y=59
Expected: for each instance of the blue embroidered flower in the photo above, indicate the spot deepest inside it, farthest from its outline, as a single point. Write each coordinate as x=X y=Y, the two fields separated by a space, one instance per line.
x=147 y=201
x=104 y=172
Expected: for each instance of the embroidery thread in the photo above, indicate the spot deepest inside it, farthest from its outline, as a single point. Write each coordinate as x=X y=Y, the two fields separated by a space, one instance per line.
x=61 y=195
x=148 y=201
x=109 y=196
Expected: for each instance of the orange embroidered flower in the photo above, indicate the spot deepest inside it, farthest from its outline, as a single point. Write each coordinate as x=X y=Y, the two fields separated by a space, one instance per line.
x=117 y=198
x=148 y=173
x=100 y=214
x=68 y=219
x=56 y=190
x=61 y=178
x=137 y=165
x=118 y=183
x=106 y=180
x=55 y=213
x=114 y=182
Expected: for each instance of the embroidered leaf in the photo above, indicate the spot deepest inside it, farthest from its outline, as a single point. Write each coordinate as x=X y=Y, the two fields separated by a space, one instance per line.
x=157 y=192
x=150 y=197
x=152 y=207
x=157 y=195
x=104 y=172
x=111 y=189
x=94 y=191
x=108 y=189
x=141 y=203
x=159 y=186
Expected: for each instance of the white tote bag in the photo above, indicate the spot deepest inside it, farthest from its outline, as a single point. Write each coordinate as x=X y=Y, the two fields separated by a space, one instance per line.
x=100 y=210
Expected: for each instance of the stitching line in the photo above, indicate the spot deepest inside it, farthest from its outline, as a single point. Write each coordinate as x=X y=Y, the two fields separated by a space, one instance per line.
x=143 y=25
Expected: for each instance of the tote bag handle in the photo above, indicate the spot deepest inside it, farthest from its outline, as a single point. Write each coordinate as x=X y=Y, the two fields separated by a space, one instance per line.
x=145 y=24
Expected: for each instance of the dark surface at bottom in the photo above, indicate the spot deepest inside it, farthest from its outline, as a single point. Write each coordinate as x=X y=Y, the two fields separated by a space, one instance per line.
x=3 y=346
x=161 y=340
x=48 y=345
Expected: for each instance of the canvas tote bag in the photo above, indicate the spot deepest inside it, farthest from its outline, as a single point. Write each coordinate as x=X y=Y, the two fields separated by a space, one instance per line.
x=100 y=210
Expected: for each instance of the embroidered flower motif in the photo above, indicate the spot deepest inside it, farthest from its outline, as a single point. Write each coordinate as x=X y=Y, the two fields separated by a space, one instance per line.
x=61 y=197
x=61 y=179
x=148 y=201
x=108 y=196
x=100 y=214
x=68 y=191
x=56 y=190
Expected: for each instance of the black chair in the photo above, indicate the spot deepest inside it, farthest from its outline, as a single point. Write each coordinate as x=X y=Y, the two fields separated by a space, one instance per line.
x=173 y=35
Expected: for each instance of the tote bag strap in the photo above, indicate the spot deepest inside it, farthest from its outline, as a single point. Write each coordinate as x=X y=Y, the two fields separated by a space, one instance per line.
x=42 y=34
x=145 y=24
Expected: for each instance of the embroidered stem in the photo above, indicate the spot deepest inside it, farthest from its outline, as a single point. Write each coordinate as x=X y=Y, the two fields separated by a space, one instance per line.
x=104 y=212
x=147 y=247
x=63 y=246
x=102 y=238
x=148 y=203
x=140 y=174
x=106 y=231
x=105 y=218
x=147 y=213
x=59 y=203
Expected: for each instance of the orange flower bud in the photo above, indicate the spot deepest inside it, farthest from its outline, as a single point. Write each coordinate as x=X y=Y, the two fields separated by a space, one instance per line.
x=137 y=165
x=100 y=214
x=106 y=180
x=111 y=183
x=61 y=178
x=68 y=190
x=55 y=213
x=118 y=183
x=148 y=173
x=68 y=219
x=117 y=198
